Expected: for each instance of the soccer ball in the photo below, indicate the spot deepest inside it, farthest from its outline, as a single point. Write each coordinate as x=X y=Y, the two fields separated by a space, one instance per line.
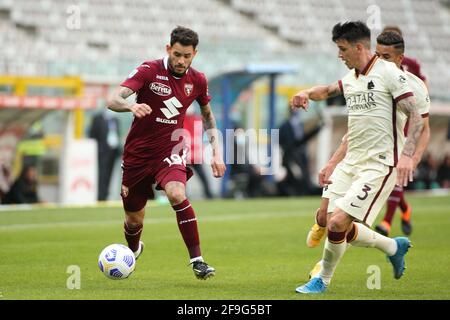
x=116 y=261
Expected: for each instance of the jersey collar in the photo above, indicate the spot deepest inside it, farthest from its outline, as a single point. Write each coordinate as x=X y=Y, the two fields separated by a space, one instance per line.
x=368 y=66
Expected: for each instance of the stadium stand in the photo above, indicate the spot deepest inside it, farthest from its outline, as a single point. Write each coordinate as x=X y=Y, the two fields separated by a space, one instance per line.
x=425 y=24
x=108 y=41
x=101 y=41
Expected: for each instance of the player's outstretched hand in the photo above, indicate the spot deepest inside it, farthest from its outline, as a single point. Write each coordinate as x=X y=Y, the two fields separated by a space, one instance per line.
x=300 y=100
x=140 y=110
x=405 y=170
x=218 y=167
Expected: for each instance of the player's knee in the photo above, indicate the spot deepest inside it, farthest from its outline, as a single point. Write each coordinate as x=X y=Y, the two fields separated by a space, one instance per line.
x=176 y=195
x=336 y=224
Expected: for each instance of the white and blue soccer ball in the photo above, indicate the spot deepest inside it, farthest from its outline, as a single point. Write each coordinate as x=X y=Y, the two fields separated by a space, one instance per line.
x=117 y=261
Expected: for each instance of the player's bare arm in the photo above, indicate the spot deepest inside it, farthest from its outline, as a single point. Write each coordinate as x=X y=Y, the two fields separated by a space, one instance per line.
x=118 y=103
x=405 y=165
x=339 y=154
x=209 y=124
x=317 y=93
x=423 y=142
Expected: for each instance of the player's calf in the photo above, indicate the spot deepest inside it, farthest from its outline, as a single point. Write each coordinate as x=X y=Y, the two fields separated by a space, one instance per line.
x=132 y=232
x=318 y=230
x=406 y=220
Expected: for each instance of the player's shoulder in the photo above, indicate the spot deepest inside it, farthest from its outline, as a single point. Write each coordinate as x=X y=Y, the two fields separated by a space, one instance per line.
x=197 y=78
x=197 y=75
x=387 y=65
x=349 y=76
x=390 y=71
x=417 y=85
x=151 y=65
x=415 y=79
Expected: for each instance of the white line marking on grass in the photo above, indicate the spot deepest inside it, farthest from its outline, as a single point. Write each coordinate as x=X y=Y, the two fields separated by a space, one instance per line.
x=150 y=220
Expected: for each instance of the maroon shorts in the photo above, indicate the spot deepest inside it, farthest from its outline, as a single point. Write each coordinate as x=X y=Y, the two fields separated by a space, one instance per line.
x=137 y=182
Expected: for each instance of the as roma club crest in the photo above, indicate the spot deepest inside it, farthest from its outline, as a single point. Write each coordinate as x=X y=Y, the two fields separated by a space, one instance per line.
x=188 y=87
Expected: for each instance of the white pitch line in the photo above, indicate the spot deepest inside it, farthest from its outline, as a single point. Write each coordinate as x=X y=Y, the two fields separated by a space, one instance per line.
x=150 y=220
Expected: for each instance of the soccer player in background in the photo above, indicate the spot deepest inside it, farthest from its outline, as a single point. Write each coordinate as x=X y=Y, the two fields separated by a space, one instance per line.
x=408 y=64
x=397 y=197
x=390 y=47
x=374 y=162
x=164 y=89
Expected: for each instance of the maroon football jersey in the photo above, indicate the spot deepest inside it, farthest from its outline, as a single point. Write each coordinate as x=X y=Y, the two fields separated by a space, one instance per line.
x=411 y=65
x=169 y=97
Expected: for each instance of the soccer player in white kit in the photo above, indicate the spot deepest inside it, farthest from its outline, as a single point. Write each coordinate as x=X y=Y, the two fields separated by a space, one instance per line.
x=374 y=89
x=390 y=47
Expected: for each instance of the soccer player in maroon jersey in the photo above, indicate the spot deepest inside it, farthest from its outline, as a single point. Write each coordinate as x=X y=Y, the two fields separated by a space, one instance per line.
x=397 y=197
x=164 y=89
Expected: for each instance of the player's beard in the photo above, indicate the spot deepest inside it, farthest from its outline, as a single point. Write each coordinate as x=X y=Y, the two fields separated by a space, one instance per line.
x=174 y=73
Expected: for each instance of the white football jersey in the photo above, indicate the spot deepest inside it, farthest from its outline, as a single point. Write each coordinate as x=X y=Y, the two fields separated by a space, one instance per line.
x=420 y=92
x=373 y=124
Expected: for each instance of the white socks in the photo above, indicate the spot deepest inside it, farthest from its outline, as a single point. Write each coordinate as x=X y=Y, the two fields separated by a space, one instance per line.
x=332 y=253
x=200 y=258
x=366 y=237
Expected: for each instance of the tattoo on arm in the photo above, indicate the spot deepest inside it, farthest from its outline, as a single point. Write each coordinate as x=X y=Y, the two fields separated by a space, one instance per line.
x=408 y=105
x=125 y=92
x=209 y=124
x=118 y=102
x=423 y=140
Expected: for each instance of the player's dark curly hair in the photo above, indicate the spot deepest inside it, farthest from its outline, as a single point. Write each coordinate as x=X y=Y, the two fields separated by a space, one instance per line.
x=184 y=36
x=352 y=31
x=391 y=38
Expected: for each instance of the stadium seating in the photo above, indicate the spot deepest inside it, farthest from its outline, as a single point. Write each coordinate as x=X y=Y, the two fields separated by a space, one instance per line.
x=112 y=37
x=425 y=24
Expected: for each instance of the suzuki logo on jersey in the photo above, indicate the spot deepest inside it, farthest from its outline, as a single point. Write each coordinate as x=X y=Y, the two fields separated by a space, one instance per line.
x=160 y=89
x=166 y=121
x=173 y=104
x=188 y=87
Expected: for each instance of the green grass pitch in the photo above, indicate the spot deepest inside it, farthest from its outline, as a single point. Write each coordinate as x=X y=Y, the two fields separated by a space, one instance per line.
x=257 y=247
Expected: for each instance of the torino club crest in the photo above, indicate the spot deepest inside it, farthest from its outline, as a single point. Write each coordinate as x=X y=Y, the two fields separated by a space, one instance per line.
x=188 y=87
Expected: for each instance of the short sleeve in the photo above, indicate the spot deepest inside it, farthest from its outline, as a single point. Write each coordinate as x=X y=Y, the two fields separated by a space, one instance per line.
x=137 y=78
x=203 y=97
x=345 y=81
x=397 y=82
x=424 y=105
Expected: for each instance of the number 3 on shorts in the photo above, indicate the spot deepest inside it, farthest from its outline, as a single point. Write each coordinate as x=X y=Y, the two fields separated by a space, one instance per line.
x=366 y=190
